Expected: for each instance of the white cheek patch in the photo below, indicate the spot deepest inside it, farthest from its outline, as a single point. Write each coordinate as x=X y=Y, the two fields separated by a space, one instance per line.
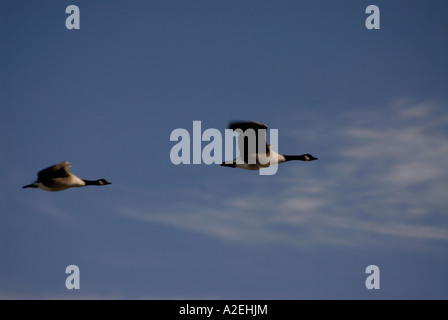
x=307 y=158
x=42 y=186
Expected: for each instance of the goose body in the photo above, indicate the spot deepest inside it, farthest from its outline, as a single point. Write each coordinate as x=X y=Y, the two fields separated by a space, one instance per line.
x=58 y=178
x=253 y=158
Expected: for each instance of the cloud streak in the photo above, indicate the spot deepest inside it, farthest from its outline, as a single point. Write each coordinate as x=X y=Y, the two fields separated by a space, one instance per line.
x=385 y=177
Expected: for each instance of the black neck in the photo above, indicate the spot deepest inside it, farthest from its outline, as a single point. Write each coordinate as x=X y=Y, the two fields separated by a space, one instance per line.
x=301 y=157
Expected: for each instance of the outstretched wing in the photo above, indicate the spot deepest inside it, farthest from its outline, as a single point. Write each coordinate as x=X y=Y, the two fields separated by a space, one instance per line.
x=244 y=139
x=60 y=170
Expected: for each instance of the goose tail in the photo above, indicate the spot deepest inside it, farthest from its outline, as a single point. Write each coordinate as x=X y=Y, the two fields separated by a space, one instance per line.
x=30 y=186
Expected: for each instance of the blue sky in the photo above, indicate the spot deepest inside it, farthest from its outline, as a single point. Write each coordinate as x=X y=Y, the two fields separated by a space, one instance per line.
x=372 y=105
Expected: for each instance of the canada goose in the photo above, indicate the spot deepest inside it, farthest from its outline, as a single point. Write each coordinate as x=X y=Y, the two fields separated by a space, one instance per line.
x=58 y=178
x=262 y=159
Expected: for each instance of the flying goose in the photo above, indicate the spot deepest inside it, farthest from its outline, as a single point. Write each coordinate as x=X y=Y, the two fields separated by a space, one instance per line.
x=58 y=178
x=259 y=159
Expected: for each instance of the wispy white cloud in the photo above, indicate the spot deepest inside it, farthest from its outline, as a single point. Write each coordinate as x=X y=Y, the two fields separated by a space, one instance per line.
x=53 y=211
x=410 y=158
x=386 y=177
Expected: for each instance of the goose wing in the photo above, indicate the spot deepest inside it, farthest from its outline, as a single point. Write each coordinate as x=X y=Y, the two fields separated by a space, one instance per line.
x=243 y=139
x=60 y=170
